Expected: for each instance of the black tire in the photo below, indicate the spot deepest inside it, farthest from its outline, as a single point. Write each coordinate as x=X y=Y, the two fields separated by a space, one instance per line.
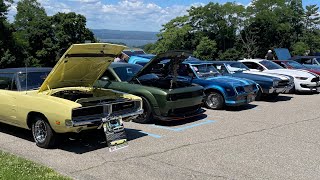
x=147 y=116
x=46 y=138
x=214 y=100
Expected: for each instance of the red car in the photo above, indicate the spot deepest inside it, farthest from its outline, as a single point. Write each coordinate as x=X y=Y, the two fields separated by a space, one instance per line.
x=289 y=64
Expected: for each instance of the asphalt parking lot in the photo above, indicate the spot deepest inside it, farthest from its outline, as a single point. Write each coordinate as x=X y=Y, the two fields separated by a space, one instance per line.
x=265 y=140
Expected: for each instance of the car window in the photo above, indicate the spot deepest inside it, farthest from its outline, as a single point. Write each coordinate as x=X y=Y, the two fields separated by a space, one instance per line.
x=6 y=81
x=253 y=65
x=125 y=73
x=32 y=80
x=236 y=67
x=296 y=65
x=205 y=70
x=282 y=64
x=270 y=65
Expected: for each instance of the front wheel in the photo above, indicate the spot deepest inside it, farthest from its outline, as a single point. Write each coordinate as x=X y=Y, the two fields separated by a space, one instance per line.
x=147 y=116
x=214 y=100
x=42 y=133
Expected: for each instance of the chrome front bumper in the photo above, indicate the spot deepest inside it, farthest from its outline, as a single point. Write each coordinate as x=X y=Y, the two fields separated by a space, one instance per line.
x=98 y=121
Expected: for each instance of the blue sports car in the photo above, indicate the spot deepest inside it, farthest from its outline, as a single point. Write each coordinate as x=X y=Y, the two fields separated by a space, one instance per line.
x=269 y=84
x=220 y=90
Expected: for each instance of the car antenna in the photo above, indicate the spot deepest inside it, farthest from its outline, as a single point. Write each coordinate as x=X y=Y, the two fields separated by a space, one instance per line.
x=26 y=66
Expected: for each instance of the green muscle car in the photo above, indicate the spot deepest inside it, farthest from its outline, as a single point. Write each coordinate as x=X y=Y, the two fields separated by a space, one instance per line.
x=164 y=96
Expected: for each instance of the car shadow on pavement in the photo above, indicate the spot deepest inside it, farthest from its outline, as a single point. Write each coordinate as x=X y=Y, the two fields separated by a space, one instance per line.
x=277 y=98
x=181 y=122
x=240 y=108
x=16 y=131
x=80 y=143
x=92 y=140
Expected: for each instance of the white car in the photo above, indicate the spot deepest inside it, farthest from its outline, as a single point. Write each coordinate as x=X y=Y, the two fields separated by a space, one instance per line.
x=304 y=81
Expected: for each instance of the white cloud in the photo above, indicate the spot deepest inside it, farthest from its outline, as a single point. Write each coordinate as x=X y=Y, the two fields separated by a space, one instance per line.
x=123 y=15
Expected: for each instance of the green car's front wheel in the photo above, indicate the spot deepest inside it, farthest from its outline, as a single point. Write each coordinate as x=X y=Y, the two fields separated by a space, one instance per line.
x=42 y=133
x=214 y=100
x=147 y=115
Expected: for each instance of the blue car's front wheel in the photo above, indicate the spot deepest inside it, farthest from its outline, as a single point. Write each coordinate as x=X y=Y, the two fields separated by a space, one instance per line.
x=214 y=100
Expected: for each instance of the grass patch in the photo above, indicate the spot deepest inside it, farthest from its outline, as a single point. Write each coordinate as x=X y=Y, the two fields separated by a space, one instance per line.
x=13 y=167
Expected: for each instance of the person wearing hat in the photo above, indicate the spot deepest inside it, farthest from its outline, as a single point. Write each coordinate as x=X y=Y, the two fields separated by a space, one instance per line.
x=269 y=55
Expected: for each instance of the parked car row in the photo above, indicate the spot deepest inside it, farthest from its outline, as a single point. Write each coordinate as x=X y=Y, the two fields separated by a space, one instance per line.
x=86 y=89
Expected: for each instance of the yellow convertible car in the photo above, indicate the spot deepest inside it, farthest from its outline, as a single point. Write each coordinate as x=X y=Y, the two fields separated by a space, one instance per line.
x=61 y=100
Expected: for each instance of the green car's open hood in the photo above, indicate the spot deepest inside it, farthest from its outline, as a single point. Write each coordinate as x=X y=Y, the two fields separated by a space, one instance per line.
x=81 y=65
x=173 y=57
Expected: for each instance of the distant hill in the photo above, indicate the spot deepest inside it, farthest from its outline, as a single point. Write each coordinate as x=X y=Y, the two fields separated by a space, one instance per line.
x=130 y=38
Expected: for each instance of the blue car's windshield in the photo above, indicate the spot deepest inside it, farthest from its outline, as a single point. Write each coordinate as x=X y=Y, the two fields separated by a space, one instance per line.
x=270 y=65
x=126 y=73
x=296 y=65
x=205 y=70
x=35 y=80
x=236 y=67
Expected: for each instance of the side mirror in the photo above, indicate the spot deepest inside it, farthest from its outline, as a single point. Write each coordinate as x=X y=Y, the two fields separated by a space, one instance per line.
x=104 y=78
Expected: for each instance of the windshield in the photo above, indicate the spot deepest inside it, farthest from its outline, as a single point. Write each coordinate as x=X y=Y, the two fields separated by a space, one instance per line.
x=270 y=65
x=236 y=67
x=126 y=73
x=296 y=65
x=205 y=70
x=35 y=80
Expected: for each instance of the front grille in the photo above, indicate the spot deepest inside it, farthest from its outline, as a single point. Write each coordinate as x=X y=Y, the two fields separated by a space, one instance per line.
x=283 y=83
x=122 y=106
x=186 y=110
x=316 y=79
x=88 y=111
x=174 y=97
x=104 y=110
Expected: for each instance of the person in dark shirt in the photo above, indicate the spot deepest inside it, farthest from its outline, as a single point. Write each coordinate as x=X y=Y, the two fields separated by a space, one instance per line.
x=269 y=55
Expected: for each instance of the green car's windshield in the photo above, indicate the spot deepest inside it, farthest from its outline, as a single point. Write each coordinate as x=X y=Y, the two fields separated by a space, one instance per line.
x=32 y=80
x=205 y=70
x=125 y=73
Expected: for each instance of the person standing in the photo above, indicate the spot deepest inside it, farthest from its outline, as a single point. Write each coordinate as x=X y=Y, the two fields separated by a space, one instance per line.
x=269 y=55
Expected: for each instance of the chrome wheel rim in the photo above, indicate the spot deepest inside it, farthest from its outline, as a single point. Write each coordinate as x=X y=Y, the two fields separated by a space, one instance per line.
x=212 y=100
x=40 y=131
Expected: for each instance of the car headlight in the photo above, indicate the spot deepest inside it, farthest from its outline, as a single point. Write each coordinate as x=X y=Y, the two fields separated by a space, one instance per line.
x=275 y=83
x=302 y=78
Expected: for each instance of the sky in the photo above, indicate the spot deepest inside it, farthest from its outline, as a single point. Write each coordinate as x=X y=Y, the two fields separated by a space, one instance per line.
x=137 y=15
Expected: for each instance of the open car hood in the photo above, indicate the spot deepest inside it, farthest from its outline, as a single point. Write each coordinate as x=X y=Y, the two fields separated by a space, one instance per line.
x=282 y=53
x=171 y=57
x=81 y=65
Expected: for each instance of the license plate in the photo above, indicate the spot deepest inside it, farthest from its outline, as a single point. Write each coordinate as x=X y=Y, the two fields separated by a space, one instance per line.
x=115 y=134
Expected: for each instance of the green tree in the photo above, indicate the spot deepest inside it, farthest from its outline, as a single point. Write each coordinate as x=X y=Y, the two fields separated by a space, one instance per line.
x=311 y=31
x=8 y=48
x=34 y=32
x=206 y=49
x=231 y=54
x=299 y=48
x=70 y=28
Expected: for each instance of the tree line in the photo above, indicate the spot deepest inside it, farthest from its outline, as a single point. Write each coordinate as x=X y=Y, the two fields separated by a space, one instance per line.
x=232 y=31
x=36 y=39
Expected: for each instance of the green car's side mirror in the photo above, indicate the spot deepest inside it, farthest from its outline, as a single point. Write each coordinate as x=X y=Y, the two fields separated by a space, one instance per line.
x=104 y=78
